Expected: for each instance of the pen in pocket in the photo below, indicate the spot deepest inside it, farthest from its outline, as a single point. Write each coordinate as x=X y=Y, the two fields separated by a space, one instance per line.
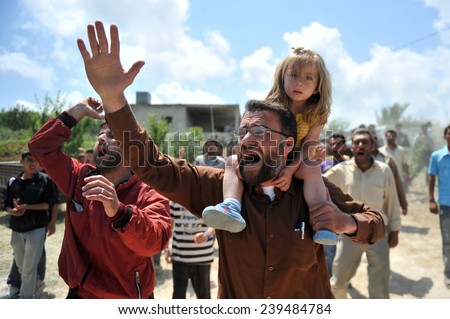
x=302 y=229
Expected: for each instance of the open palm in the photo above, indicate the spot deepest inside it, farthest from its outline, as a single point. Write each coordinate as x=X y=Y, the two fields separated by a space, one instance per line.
x=104 y=69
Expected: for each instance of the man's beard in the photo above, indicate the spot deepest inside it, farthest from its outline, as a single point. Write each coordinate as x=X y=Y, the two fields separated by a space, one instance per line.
x=110 y=162
x=272 y=166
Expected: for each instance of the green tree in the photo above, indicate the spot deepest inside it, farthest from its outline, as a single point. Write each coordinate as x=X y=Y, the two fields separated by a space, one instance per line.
x=15 y=131
x=158 y=131
x=18 y=124
x=192 y=141
x=50 y=108
x=83 y=134
x=338 y=125
x=170 y=142
x=389 y=115
x=17 y=118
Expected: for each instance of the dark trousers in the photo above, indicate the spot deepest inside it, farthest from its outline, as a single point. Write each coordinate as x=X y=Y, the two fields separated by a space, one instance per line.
x=199 y=276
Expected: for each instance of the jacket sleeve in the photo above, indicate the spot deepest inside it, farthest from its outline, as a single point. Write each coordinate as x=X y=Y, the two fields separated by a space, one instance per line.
x=45 y=145
x=370 y=225
x=193 y=187
x=144 y=226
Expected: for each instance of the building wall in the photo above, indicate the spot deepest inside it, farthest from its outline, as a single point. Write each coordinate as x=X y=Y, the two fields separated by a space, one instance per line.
x=224 y=118
x=177 y=112
x=8 y=170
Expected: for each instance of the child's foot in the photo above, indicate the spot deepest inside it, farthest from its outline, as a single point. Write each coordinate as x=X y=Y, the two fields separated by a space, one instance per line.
x=223 y=216
x=325 y=237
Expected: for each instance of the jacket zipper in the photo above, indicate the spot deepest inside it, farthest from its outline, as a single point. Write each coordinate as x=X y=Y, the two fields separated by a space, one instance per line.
x=138 y=284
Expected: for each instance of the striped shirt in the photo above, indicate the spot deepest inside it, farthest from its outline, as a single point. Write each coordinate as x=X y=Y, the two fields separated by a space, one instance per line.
x=184 y=248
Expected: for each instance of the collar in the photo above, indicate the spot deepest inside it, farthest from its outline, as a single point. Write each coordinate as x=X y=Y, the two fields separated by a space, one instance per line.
x=353 y=163
x=445 y=151
x=292 y=189
x=35 y=176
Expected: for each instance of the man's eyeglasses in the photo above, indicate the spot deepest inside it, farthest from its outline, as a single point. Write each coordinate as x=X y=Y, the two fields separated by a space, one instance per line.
x=257 y=130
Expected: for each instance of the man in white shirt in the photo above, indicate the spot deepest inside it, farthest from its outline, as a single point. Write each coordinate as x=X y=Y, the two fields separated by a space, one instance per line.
x=371 y=182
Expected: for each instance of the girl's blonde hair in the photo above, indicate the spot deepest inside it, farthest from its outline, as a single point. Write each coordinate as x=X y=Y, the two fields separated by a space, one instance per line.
x=318 y=106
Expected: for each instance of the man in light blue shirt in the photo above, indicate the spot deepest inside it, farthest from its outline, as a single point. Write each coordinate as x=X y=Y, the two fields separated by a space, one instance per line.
x=440 y=167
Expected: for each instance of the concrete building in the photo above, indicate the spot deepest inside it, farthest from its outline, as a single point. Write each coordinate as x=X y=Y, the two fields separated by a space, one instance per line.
x=217 y=120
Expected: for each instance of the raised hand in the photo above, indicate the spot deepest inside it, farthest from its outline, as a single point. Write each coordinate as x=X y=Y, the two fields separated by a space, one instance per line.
x=87 y=107
x=104 y=69
x=18 y=209
x=99 y=188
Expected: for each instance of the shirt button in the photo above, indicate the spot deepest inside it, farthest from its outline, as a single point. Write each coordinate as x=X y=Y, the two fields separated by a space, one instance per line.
x=271 y=236
x=270 y=206
x=270 y=268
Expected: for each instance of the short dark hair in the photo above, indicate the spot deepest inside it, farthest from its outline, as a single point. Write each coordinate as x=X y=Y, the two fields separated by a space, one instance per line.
x=363 y=131
x=216 y=143
x=446 y=129
x=286 y=117
x=339 y=135
x=392 y=132
x=26 y=153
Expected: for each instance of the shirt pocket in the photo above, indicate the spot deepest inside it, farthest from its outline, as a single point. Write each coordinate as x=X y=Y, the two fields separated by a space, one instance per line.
x=302 y=250
x=76 y=207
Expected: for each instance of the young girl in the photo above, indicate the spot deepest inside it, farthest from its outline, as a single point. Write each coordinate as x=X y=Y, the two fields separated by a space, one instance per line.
x=303 y=84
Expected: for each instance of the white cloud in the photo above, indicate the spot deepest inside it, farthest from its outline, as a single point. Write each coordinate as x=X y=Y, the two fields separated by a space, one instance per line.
x=19 y=42
x=443 y=8
x=318 y=37
x=387 y=78
x=21 y=64
x=64 y=18
x=256 y=95
x=154 y=30
x=191 y=59
x=218 y=42
x=259 y=67
x=173 y=92
x=27 y=105
x=72 y=97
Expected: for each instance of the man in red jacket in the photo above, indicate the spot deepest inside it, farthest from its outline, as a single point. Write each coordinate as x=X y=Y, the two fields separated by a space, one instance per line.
x=114 y=223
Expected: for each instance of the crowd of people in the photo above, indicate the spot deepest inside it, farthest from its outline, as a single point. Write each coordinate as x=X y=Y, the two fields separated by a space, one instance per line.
x=289 y=221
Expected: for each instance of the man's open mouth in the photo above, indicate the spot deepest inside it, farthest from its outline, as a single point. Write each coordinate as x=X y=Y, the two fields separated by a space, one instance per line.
x=250 y=160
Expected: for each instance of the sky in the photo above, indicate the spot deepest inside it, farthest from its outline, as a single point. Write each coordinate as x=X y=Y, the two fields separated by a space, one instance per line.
x=379 y=52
